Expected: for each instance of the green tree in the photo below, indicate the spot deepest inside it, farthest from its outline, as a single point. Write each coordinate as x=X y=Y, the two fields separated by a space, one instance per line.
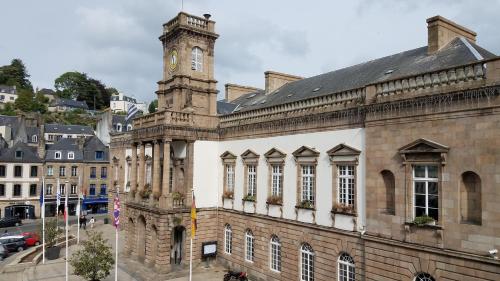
x=94 y=260
x=153 y=106
x=15 y=74
x=8 y=109
x=24 y=101
x=79 y=86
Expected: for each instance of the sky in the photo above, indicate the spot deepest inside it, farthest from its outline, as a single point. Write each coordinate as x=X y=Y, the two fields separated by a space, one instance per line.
x=116 y=41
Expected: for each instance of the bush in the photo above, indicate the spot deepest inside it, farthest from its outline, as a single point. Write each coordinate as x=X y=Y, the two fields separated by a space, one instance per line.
x=249 y=197
x=306 y=204
x=423 y=220
x=94 y=260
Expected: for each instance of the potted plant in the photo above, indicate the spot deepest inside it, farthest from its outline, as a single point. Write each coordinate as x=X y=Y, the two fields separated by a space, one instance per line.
x=424 y=220
x=177 y=195
x=274 y=200
x=306 y=204
x=249 y=198
x=94 y=260
x=343 y=208
x=144 y=193
x=51 y=234
x=228 y=194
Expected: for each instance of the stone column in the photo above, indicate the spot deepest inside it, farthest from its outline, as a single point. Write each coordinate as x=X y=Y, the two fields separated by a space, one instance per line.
x=142 y=174
x=156 y=169
x=166 y=175
x=188 y=172
x=133 y=171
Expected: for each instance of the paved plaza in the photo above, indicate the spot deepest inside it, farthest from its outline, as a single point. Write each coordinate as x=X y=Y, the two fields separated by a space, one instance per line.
x=127 y=270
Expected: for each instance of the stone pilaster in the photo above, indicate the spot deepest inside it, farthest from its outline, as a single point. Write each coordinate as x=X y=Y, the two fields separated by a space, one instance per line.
x=133 y=171
x=156 y=170
x=188 y=175
x=165 y=192
x=142 y=174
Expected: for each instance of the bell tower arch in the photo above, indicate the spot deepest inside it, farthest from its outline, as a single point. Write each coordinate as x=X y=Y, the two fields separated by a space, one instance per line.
x=188 y=83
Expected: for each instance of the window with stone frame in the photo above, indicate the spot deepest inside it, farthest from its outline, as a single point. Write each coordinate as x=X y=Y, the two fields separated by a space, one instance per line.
x=2 y=171
x=344 y=161
x=62 y=171
x=346 y=269
x=33 y=190
x=229 y=165
x=74 y=171
x=276 y=164
x=197 y=59
x=73 y=189
x=228 y=239
x=48 y=189
x=249 y=246
x=18 y=171
x=50 y=170
x=306 y=159
x=422 y=276
x=470 y=198
x=250 y=162
x=2 y=190
x=17 y=190
x=423 y=161
x=306 y=263
x=275 y=254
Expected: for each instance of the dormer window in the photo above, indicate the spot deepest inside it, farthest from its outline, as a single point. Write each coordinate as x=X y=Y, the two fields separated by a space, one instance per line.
x=118 y=127
x=71 y=155
x=34 y=138
x=197 y=59
x=129 y=127
x=19 y=154
x=99 y=155
x=58 y=155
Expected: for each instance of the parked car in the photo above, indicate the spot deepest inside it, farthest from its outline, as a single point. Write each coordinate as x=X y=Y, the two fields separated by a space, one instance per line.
x=12 y=221
x=3 y=252
x=14 y=243
x=31 y=238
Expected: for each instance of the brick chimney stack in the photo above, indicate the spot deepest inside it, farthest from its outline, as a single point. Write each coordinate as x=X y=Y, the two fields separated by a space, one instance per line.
x=441 y=31
x=274 y=80
x=234 y=91
x=41 y=142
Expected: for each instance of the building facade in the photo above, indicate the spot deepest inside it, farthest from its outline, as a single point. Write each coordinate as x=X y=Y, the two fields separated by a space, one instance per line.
x=121 y=103
x=384 y=170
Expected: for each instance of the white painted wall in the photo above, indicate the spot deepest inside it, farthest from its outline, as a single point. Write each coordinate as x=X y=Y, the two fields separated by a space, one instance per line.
x=25 y=181
x=206 y=170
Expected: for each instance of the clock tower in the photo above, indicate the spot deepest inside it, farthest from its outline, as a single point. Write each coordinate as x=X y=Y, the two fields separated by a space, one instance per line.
x=188 y=83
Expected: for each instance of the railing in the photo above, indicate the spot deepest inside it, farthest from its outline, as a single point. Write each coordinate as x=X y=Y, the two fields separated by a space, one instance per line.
x=187 y=20
x=166 y=117
x=178 y=203
x=432 y=79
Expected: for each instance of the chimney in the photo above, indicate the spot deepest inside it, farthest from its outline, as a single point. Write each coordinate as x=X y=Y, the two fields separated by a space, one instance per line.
x=41 y=142
x=81 y=142
x=234 y=91
x=274 y=80
x=441 y=31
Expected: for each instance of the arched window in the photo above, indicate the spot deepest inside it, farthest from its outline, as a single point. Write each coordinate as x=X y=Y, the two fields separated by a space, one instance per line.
x=275 y=254
x=228 y=239
x=470 y=198
x=346 y=269
x=424 y=277
x=390 y=190
x=197 y=59
x=306 y=263
x=249 y=253
x=118 y=127
x=34 y=138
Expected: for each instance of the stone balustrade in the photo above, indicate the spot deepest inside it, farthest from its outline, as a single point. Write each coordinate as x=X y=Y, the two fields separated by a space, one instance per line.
x=432 y=79
x=184 y=19
x=167 y=117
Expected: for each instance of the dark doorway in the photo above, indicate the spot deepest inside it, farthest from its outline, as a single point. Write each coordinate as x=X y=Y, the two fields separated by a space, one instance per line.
x=177 y=246
x=21 y=211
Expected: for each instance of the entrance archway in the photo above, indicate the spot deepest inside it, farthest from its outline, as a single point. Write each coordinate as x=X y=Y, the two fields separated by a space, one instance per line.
x=177 y=244
x=141 y=238
x=154 y=244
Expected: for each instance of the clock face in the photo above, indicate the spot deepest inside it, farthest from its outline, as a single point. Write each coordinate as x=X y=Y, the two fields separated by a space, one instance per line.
x=173 y=59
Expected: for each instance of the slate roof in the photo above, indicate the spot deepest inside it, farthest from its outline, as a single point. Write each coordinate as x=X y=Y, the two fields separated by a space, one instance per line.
x=30 y=131
x=46 y=91
x=70 y=103
x=92 y=145
x=69 y=129
x=407 y=63
x=121 y=119
x=224 y=107
x=29 y=154
x=87 y=154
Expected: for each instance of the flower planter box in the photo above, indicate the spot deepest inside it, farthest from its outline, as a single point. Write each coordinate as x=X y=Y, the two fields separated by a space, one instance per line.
x=52 y=253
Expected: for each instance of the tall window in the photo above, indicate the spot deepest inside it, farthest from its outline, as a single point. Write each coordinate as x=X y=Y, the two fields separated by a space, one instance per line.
x=197 y=59
x=277 y=180
x=34 y=138
x=104 y=172
x=93 y=172
x=275 y=254
x=470 y=198
x=57 y=155
x=306 y=263
x=346 y=270
x=92 y=189
x=308 y=183
x=18 y=171
x=73 y=189
x=62 y=171
x=2 y=170
x=230 y=177
x=34 y=171
x=103 y=189
x=170 y=179
x=249 y=254
x=74 y=171
x=62 y=189
x=50 y=171
x=424 y=277
x=346 y=184
x=17 y=190
x=2 y=189
x=425 y=183
x=32 y=189
x=390 y=191
x=99 y=155
x=228 y=239
x=252 y=180
x=48 y=189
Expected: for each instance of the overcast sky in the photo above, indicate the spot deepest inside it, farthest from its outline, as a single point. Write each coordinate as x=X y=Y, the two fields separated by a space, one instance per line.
x=116 y=41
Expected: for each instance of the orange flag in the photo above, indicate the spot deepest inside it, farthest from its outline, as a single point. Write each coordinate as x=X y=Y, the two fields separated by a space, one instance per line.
x=193 y=218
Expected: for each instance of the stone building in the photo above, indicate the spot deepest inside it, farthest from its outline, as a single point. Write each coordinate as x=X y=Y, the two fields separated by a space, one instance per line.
x=385 y=170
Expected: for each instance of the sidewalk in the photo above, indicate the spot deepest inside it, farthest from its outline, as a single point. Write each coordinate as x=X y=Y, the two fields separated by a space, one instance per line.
x=128 y=270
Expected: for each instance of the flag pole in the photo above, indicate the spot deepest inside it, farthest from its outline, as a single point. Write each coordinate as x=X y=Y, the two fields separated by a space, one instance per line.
x=78 y=207
x=43 y=220
x=116 y=233
x=58 y=201
x=66 y=219
x=191 y=242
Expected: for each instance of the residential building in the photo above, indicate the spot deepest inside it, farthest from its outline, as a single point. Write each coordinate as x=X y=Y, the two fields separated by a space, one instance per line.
x=8 y=94
x=63 y=105
x=20 y=181
x=121 y=103
x=55 y=132
x=109 y=123
x=385 y=170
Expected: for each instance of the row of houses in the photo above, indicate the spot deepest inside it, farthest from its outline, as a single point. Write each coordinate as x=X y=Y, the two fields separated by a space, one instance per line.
x=67 y=158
